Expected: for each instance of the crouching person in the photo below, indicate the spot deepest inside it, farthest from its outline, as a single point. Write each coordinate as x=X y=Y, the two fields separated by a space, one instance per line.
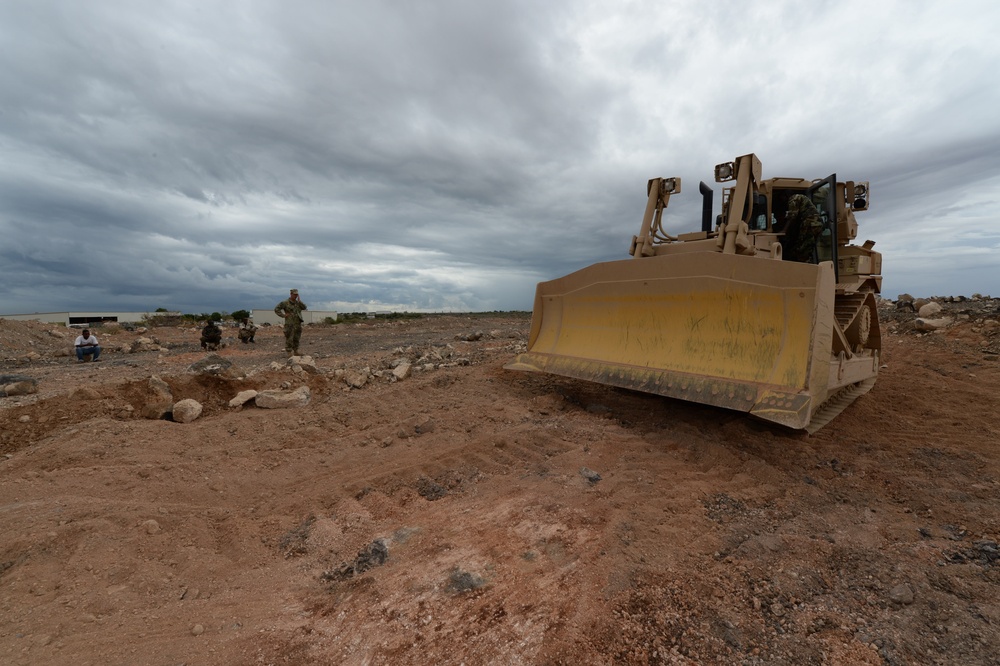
x=87 y=347
x=247 y=331
x=211 y=336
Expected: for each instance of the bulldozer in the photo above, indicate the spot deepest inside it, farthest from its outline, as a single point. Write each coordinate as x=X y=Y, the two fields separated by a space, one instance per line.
x=768 y=309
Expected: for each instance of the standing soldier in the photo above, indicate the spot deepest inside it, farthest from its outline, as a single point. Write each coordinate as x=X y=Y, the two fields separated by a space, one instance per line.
x=290 y=310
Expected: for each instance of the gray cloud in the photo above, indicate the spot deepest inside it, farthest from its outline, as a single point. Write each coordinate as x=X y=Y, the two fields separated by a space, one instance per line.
x=384 y=155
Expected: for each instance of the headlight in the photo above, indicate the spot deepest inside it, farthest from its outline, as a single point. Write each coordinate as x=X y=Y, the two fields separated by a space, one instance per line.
x=724 y=172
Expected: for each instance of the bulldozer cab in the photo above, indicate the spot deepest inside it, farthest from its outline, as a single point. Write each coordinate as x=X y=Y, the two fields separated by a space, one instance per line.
x=770 y=207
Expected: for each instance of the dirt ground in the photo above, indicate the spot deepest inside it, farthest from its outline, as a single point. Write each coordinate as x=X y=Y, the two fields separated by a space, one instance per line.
x=472 y=515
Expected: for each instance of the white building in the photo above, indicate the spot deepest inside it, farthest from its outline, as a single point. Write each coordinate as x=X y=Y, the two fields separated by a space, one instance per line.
x=86 y=318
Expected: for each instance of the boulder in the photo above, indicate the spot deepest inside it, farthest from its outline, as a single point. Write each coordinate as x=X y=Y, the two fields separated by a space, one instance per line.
x=160 y=403
x=929 y=310
x=283 y=399
x=931 y=324
x=11 y=385
x=919 y=303
x=303 y=364
x=187 y=410
x=402 y=371
x=214 y=365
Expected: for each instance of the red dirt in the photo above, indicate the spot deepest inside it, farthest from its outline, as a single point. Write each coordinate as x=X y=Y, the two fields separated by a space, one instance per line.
x=454 y=517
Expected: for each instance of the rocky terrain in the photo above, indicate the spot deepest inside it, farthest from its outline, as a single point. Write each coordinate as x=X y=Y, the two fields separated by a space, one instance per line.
x=397 y=497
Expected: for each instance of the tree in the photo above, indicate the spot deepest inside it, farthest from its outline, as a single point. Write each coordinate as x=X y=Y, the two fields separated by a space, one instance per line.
x=240 y=315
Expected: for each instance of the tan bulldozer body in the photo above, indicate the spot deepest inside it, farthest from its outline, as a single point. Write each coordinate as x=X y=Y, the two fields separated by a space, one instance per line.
x=720 y=316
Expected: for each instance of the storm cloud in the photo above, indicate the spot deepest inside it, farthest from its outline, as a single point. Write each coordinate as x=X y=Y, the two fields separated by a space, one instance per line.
x=449 y=155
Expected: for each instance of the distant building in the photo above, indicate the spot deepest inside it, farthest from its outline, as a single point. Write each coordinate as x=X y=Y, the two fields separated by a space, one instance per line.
x=265 y=316
x=94 y=318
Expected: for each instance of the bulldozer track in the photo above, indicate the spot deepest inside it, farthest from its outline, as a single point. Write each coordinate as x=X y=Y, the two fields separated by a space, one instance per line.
x=837 y=403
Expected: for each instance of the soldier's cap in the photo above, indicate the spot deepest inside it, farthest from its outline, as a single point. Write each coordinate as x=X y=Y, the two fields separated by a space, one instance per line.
x=293 y=291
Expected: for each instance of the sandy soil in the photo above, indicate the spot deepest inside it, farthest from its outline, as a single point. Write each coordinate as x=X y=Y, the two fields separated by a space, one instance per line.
x=473 y=515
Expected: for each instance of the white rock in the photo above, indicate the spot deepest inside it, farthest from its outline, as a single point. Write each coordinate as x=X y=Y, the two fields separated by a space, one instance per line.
x=931 y=324
x=282 y=399
x=930 y=310
x=304 y=363
x=402 y=371
x=242 y=398
x=187 y=410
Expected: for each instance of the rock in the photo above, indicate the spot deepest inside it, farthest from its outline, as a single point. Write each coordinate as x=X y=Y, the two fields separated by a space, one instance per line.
x=589 y=474
x=901 y=594
x=242 y=398
x=470 y=337
x=929 y=310
x=57 y=334
x=283 y=399
x=931 y=324
x=144 y=344
x=920 y=302
x=187 y=410
x=303 y=364
x=11 y=385
x=33 y=356
x=464 y=581
x=161 y=402
x=197 y=630
x=416 y=426
x=151 y=527
x=214 y=365
x=84 y=393
x=373 y=555
x=904 y=298
x=355 y=378
x=402 y=371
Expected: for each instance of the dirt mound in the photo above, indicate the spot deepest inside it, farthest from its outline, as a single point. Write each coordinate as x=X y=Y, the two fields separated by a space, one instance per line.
x=461 y=513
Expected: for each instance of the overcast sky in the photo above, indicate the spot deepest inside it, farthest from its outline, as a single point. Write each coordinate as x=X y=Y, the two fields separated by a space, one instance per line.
x=448 y=155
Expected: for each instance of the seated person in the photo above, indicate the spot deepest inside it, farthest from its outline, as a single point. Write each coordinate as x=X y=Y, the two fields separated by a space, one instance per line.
x=211 y=336
x=247 y=331
x=86 y=345
x=803 y=226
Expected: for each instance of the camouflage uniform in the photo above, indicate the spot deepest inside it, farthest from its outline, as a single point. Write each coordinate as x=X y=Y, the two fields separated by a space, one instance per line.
x=291 y=311
x=246 y=332
x=211 y=337
x=803 y=226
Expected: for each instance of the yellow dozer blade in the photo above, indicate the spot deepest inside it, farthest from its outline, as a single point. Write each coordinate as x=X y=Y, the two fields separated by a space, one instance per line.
x=718 y=320
x=724 y=330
